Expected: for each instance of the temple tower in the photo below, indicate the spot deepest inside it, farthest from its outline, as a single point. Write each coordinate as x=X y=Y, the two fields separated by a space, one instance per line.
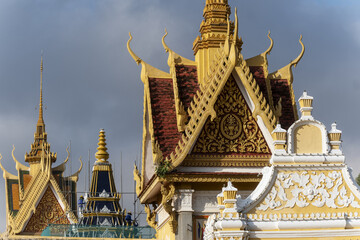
x=39 y=194
x=102 y=207
x=214 y=30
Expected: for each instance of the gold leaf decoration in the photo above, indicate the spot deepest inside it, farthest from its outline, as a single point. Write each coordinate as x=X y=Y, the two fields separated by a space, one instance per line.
x=47 y=211
x=234 y=130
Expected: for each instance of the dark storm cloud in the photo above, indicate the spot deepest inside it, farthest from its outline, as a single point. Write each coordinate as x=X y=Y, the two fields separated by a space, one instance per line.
x=91 y=82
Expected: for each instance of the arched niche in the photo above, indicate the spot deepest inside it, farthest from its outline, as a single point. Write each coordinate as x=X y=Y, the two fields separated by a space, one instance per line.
x=307 y=137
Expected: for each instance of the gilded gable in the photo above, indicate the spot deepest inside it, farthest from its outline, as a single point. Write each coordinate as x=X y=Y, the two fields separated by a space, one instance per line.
x=234 y=131
x=47 y=211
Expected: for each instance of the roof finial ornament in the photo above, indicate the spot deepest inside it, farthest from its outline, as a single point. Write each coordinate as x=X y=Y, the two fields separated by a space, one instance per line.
x=267 y=52
x=227 y=40
x=167 y=49
x=41 y=118
x=102 y=154
x=133 y=55
x=297 y=60
x=236 y=27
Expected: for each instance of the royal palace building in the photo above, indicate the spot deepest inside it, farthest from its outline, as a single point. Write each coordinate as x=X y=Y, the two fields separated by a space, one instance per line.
x=227 y=154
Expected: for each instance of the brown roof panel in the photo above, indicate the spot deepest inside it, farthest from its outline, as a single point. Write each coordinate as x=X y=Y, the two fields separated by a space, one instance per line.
x=258 y=73
x=280 y=89
x=164 y=114
x=187 y=83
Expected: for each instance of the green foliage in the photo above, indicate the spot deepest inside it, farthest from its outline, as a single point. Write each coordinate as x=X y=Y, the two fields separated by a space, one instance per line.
x=358 y=179
x=163 y=168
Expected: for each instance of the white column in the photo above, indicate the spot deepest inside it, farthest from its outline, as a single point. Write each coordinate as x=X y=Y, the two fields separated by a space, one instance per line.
x=185 y=211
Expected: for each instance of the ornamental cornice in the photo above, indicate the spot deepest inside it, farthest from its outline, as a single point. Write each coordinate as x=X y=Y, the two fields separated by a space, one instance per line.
x=227 y=163
x=212 y=178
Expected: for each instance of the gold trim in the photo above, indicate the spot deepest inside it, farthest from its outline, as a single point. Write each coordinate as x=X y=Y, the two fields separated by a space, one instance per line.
x=212 y=178
x=102 y=167
x=113 y=199
x=251 y=163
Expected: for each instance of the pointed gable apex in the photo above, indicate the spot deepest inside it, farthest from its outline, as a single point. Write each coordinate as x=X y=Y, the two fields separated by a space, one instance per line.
x=48 y=210
x=234 y=132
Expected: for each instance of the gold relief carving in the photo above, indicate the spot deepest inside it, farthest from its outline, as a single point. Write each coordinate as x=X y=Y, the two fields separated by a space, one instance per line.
x=234 y=130
x=47 y=211
x=157 y=153
x=151 y=216
x=138 y=180
x=167 y=199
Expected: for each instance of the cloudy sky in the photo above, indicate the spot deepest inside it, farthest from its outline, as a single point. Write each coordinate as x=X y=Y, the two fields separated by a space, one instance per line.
x=91 y=82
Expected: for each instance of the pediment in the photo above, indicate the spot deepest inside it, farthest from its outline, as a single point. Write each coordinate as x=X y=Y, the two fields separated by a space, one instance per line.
x=234 y=132
x=48 y=210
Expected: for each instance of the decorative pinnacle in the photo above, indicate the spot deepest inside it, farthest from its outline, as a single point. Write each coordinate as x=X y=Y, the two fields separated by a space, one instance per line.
x=102 y=155
x=41 y=118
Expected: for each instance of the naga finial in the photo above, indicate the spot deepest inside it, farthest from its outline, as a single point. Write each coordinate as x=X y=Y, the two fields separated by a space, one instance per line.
x=236 y=27
x=18 y=164
x=297 y=60
x=6 y=174
x=75 y=176
x=80 y=168
x=167 y=49
x=267 y=52
x=133 y=55
x=227 y=40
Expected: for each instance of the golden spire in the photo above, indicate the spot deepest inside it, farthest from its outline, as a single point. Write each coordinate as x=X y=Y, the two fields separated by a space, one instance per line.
x=40 y=123
x=102 y=155
x=40 y=143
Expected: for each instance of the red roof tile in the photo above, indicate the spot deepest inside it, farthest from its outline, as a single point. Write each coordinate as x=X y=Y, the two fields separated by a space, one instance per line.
x=279 y=88
x=258 y=74
x=164 y=114
x=187 y=83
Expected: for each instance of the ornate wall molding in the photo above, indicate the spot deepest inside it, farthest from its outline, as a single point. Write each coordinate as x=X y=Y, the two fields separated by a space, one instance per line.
x=309 y=188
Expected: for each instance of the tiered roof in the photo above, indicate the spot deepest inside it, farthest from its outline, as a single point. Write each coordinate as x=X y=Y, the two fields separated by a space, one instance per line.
x=178 y=104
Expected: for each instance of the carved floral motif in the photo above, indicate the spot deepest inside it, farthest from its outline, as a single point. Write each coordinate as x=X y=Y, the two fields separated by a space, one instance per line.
x=234 y=130
x=47 y=211
x=308 y=188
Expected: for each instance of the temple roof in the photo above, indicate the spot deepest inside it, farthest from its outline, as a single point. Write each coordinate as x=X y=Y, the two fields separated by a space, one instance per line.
x=177 y=104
